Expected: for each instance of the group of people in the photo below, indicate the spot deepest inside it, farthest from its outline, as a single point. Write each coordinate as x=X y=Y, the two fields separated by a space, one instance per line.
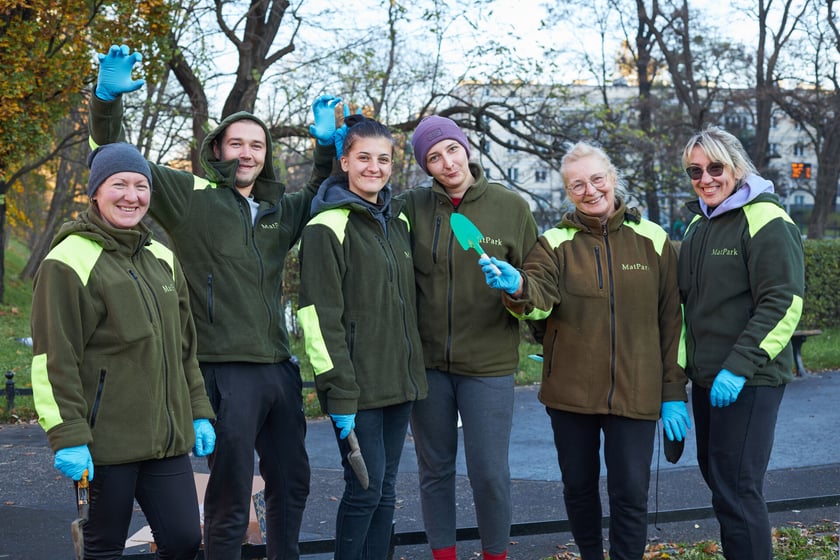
x=142 y=354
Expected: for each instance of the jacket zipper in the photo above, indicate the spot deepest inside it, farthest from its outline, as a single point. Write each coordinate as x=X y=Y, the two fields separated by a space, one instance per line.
x=98 y=399
x=210 y=296
x=164 y=360
x=612 y=314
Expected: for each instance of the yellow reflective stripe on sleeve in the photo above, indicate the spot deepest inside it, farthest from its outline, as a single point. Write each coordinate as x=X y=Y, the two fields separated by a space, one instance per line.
x=652 y=231
x=761 y=213
x=163 y=253
x=79 y=253
x=779 y=336
x=93 y=145
x=556 y=236
x=335 y=219
x=200 y=183
x=313 y=340
x=404 y=218
x=42 y=394
x=682 y=356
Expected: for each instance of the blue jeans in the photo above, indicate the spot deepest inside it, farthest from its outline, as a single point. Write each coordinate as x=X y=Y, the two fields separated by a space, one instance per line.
x=363 y=522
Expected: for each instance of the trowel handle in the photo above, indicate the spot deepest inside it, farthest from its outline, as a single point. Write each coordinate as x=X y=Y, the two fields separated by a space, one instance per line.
x=495 y=268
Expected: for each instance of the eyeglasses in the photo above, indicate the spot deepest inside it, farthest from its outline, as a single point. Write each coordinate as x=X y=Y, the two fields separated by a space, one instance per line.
x=715 y=169
x=597 y=181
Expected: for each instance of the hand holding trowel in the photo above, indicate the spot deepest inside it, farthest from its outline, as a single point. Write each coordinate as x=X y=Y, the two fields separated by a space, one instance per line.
x=469 y=236
x=77 y=527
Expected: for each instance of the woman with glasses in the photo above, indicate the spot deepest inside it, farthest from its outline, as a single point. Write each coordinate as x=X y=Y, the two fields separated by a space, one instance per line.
x=606 y=281
x=741 y=277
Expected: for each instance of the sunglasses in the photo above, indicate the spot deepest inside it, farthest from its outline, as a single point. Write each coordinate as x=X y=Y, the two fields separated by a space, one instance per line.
x=715 y=169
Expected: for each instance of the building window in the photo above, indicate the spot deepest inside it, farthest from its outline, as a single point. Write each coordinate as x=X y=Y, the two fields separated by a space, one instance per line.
x=513 y=173
x=773 y=150
x=485 y=146
x=514 y=146
x=512 y=118
x=799 y=200
x=541 y=175
x=487 y=173
x=798 y=149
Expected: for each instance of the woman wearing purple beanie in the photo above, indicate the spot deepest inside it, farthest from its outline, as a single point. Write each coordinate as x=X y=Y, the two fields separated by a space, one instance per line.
x=470 y=341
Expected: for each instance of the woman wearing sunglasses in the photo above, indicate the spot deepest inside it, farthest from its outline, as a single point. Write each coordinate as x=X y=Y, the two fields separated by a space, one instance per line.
x=741 y=277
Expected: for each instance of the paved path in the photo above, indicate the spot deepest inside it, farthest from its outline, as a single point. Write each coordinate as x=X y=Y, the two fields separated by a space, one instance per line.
x=37 y=503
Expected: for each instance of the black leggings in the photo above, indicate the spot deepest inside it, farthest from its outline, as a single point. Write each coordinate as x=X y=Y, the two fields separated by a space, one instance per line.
x=165 y=490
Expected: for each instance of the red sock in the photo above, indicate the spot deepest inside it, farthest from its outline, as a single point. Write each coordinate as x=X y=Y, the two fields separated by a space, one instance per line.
x=444 y=553
x=491 y=556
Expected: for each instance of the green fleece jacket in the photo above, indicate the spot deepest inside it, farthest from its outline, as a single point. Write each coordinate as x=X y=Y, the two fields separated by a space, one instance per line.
x=357 y=302
x=464 y=326
x=613 y=332
x=742 y=278
x=234 y=266
x=114 y=362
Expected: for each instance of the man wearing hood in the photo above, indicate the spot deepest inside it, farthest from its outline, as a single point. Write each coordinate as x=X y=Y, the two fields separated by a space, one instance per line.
x=231 y=231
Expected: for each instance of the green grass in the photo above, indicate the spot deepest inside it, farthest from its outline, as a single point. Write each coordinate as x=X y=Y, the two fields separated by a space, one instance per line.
x=14 y=324
x=795 y=542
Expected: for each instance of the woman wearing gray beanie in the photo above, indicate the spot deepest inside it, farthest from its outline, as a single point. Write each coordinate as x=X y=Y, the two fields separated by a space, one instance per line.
x=114 y=371
x=470 y=341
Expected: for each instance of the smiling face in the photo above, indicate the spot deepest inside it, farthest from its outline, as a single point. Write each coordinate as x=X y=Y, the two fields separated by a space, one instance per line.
x=711 y=190
x=591 y=186
x=244 y=141
x=368 y=165
x=448 y=162
x=123 y=199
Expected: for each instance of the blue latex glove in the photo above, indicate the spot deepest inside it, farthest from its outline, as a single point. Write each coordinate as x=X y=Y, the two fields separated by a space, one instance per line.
x=675 y=420
x=726 y=388
x=345 y=423
x=341 y=133
x=115 y=73
x=72 y=462
x=205 y=437
x=509 y=280
x=324 y=110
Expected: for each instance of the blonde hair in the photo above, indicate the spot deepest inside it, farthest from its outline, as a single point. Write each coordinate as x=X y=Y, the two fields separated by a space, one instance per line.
x=723 y=147
x=582 y=150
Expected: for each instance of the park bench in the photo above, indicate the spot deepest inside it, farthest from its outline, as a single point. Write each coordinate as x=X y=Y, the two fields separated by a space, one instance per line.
x=798 y=339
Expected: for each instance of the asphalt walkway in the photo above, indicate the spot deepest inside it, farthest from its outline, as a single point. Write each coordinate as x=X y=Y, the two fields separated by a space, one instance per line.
x=37 y=504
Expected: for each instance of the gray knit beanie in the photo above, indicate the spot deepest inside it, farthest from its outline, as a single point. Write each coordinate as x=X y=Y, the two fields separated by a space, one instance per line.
x=106 y=160
x=432 y=130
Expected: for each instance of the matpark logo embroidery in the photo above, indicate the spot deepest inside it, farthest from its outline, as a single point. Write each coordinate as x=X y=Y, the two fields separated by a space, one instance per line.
x=725 y=252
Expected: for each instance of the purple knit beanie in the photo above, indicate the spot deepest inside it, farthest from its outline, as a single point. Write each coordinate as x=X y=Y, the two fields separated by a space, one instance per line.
x=432 y=130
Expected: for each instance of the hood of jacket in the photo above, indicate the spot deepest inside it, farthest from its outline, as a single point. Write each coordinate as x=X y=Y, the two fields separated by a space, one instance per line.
x=335 y=193
x=750 y=188
x=267 y=187
x=90 y=225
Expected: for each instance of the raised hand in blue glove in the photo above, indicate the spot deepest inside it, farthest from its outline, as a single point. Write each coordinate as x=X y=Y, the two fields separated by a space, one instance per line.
x=726 y=388
x=345 y=423
x=72 y=462
x=205 y=437
x=115 y=73
x=341 y=133
x=500 y=275
x=324 y=110
x=675 y=420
